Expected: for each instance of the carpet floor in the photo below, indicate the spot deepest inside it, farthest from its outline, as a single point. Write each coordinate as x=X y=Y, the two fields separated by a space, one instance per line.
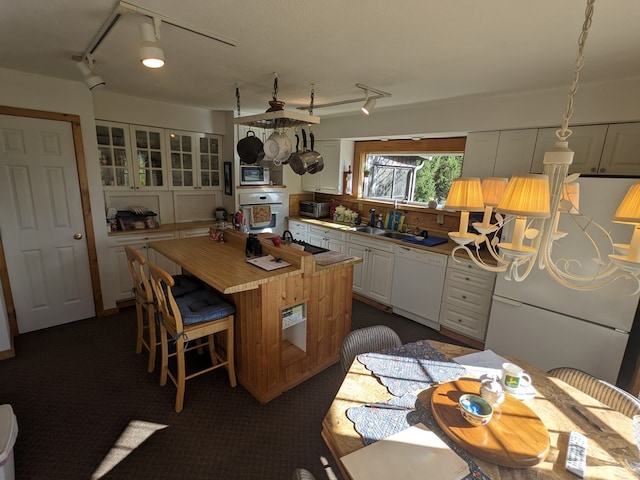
x=77 y=387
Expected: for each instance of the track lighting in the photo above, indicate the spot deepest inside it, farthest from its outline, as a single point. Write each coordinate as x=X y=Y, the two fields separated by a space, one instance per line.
x=369 y=105
x=151 y=55
x=91 y=79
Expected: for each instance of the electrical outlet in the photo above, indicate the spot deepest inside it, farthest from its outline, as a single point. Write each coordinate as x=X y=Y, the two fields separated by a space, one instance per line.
x=360 y=206
x=440 y=219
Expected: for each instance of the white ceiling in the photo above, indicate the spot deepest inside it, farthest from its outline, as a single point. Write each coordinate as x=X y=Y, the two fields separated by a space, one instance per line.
x=417 y=50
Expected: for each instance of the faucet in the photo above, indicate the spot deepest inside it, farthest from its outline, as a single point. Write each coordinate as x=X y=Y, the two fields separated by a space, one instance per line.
x=395 y=222
x=372 y=222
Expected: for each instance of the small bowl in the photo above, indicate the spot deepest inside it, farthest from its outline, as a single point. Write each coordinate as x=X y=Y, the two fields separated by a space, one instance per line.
x=419 y=238
x=475 y=409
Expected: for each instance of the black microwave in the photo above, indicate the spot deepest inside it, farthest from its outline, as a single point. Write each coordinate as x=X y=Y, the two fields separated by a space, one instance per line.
x=254 y=175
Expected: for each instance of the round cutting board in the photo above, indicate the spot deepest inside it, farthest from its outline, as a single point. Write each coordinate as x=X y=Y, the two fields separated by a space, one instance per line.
x=515 y=436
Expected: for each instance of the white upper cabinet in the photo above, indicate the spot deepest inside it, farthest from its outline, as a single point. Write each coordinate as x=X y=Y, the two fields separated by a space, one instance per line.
x=194 y=160
x=586 y=141
x=480 y=154
x=621 y=153
x=498 y=154
x=131 y=156
x=336 y=154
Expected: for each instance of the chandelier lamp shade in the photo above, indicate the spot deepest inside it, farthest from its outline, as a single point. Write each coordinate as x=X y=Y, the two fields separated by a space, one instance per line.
x=151 y=55
x=527 y=211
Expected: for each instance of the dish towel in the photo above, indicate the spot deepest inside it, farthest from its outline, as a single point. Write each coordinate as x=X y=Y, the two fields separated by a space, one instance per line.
x=260 y=216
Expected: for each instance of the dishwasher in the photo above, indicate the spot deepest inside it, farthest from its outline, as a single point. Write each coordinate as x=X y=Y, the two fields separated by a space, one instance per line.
x=418 y=281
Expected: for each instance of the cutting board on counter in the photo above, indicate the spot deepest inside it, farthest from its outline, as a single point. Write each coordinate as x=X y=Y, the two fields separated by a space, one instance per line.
x=426 y=242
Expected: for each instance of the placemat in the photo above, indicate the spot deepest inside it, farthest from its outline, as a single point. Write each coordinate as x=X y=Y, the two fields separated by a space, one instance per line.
x=411 y=367
x=377 y=422
x=426 y=242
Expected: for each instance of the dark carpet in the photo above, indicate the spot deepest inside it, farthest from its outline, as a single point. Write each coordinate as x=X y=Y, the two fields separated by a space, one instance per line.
x=75 y=388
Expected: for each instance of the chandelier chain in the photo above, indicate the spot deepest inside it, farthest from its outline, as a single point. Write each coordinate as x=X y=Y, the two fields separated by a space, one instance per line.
x=564 y=132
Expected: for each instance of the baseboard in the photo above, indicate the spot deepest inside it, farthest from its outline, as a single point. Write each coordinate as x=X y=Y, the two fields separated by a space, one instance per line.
x=373 y=303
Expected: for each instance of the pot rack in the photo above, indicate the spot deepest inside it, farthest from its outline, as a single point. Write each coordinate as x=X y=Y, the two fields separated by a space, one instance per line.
x=276 y=117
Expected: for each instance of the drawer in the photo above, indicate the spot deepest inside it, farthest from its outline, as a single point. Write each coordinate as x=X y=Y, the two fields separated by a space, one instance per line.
x=465 y=296
x=471 y=277
x=370 y=241
x=121 y=240
x=471 y=268
x=194 y=232
x=468 y=323
x=326 y=232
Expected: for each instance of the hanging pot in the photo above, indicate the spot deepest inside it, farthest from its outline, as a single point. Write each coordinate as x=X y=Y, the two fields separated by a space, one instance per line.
x=250 y=148
x=319 y=165
x=284 y=148
x=301 y=162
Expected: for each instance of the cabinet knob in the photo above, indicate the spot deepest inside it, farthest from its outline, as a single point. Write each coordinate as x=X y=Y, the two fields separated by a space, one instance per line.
x=593 y=169
x=467 y=278
x=459 y=320
x=464 y=297
x=602 y=170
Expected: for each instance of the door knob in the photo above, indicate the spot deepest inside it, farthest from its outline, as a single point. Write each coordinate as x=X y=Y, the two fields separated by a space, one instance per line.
x=77 y=236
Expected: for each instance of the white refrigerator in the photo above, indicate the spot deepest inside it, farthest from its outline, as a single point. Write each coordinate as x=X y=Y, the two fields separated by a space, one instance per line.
x=549 y=325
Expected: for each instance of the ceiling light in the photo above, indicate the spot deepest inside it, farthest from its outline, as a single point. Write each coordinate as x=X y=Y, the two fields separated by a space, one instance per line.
x=151 y=55
x=369 y=105
x=91 y=79
x=536 y=201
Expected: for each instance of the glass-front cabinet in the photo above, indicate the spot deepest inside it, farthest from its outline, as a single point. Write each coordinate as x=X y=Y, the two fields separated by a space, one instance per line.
x=131 y=156
x=195 y=160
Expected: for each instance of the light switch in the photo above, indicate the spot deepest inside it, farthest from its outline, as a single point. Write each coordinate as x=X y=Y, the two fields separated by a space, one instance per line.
x=440 y=219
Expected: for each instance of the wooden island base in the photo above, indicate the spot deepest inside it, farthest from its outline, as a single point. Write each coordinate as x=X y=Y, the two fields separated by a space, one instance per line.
x=289 y=322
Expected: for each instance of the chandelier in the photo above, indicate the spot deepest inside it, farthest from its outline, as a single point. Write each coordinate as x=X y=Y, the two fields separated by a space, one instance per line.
x=531 y=205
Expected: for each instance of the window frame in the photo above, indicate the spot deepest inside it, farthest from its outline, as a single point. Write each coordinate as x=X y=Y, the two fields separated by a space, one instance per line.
x=403 y=146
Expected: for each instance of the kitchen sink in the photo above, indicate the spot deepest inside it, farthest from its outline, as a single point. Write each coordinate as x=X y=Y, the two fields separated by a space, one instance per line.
x=371 y=230
x=395 y=235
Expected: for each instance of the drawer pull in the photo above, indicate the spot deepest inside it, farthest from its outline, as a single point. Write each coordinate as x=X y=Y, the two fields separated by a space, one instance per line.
x=464 y=297
x=459 y=320
x=467 y=278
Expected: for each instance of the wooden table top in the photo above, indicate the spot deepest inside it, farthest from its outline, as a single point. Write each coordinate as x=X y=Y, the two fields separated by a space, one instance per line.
x=552 y=404
x=222 y=266
x=515 y=436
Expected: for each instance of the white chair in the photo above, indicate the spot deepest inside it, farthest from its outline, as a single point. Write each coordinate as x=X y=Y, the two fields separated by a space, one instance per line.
x=368 y=339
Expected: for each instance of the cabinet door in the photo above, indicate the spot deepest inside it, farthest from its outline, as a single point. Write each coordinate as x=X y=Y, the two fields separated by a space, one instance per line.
x=122 y=281
x=515 y=152
x=181 y=147
x=480 y=154
x=620 y=153
x=208 y=164
x=309 y=182
x=317 y=240
x=335 y=245
x=330 y=180
x=162 y=261
x=114 y=154
x=586 y=141
x=380 y=275
x=359 y=269
x=148 y=158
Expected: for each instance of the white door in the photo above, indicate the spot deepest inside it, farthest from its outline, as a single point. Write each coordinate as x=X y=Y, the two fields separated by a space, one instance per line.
x=41 y=223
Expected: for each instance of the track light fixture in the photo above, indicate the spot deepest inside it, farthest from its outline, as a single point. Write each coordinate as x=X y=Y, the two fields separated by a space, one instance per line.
x=151 y=55
x=369 y=105
x=91 y=79
x=370 y=100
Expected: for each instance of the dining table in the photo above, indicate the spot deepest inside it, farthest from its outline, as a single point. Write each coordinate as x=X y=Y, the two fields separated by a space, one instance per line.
x=555 y=410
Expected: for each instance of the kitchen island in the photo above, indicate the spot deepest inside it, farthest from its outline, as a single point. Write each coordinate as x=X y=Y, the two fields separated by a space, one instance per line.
x=289 y=322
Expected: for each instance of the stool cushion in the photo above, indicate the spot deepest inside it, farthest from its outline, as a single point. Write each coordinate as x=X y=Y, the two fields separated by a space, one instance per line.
x=185 y=284
x=203 y=306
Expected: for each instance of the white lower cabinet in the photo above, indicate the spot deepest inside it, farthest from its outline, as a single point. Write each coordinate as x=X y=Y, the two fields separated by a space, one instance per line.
x=299 y=230
x=326 y=238
x=374 y=276
x=122 y=282
x=466 y=299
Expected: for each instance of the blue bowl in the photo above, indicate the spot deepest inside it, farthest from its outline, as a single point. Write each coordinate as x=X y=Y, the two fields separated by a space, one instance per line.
x=475 y=409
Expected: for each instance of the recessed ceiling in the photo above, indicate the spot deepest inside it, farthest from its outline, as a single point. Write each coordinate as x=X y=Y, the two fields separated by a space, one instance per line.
x=417 y=50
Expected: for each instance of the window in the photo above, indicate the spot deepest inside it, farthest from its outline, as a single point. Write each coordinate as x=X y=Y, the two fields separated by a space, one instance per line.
x=411 y=171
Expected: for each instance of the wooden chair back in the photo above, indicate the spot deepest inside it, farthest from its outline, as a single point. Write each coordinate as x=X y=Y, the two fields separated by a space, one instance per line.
x=161 y=282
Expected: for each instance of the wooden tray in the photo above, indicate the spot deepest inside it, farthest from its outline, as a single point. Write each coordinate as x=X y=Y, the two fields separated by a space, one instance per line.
x=515 y=436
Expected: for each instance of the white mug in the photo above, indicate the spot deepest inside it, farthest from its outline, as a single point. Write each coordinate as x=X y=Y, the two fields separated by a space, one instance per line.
x=514 y=378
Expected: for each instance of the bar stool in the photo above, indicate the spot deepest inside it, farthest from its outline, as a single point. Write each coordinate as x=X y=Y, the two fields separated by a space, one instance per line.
x=145 y=302
x=193 y=316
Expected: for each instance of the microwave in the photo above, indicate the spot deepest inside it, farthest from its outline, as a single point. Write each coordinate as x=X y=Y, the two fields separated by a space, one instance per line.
x=315 y=209
x=254 y=175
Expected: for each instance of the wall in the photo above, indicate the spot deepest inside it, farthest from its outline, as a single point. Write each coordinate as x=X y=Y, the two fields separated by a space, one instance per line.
x=608 y=102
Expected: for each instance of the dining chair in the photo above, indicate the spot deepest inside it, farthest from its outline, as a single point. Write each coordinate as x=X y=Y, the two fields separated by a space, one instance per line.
x=367 y=339
x=611 y=395
x=191 y=317
x=146 y=304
